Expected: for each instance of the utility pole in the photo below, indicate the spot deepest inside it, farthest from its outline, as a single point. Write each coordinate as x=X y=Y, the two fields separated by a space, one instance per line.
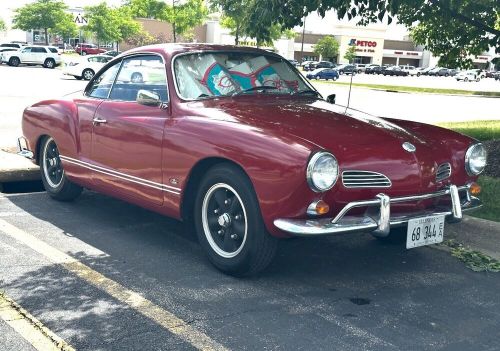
x=302 y=44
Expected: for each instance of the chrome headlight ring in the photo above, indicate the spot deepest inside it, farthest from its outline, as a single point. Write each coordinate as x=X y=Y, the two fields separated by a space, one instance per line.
x=322 y=171
x=475 y=159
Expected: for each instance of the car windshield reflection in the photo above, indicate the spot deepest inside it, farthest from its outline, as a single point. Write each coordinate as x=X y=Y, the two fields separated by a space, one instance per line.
x=215 y=74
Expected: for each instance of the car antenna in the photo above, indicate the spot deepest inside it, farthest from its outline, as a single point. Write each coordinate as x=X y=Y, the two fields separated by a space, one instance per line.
x=349 y=96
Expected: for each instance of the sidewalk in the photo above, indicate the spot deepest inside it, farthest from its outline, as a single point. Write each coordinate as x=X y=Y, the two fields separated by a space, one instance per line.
x=15 y=168
x=477 y=234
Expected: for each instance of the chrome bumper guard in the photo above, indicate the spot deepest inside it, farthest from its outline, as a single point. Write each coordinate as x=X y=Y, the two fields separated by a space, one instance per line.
x=378 y=217
x=22 y=146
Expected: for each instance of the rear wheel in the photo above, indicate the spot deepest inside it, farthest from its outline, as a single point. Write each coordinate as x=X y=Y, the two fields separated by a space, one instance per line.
x=53 y=177
x=229 y=224
x=14 y=61
x=88 y=74
x=49 y=63
x=84 y=53
x=466 y=79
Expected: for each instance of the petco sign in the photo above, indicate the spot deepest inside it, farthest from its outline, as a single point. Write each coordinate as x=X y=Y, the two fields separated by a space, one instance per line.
x=366 y=43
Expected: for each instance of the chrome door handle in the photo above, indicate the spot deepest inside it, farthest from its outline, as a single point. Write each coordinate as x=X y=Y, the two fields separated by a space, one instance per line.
x=96 y=121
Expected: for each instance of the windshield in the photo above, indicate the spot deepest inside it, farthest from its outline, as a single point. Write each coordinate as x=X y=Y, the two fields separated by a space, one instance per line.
x=213 y=74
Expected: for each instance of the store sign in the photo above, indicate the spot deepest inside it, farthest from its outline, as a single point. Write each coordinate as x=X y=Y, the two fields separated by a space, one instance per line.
x=80 y=20
x=365 y=43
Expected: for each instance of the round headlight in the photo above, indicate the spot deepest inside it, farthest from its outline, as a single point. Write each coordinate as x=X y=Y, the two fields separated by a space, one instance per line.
x=322 y=171
x=475 y=159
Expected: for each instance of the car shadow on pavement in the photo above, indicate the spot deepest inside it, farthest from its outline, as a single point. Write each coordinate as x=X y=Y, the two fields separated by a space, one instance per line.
x=341 y=282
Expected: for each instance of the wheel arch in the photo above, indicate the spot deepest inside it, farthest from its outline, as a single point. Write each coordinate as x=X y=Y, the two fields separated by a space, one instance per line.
x=194 y=178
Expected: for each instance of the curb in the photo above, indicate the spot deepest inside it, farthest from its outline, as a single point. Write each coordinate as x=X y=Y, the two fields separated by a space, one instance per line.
x=15 y=168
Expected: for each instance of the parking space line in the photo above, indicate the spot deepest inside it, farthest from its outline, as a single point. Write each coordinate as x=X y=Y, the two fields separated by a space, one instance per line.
x=30 y=328
x=162 y=317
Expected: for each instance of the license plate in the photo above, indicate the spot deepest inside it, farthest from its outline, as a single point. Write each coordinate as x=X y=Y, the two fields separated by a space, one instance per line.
x=424 y=231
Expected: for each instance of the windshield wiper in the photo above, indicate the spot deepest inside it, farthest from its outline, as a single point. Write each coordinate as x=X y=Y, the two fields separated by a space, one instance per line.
x=307 y=91
x=262 y=87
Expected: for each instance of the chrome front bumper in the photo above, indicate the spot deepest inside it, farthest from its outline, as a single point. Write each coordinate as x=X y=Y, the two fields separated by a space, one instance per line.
x=377 y=218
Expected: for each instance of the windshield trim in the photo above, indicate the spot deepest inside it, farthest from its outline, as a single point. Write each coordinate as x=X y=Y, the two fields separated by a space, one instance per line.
x=194 y=52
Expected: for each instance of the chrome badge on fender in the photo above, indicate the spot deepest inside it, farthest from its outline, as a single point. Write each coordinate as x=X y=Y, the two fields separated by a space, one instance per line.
x=409 y=147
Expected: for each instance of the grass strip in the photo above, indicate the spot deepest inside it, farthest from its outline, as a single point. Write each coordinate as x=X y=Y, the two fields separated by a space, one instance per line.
x=474 y=260
x=481 y=130
x=417 y=89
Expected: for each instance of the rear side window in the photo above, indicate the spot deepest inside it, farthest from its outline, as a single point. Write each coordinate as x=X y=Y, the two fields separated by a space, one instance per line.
x=38 y=50
x=53 y=50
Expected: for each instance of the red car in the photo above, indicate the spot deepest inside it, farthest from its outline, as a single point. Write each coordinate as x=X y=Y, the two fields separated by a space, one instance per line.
x=88 y=49
x=237 y=141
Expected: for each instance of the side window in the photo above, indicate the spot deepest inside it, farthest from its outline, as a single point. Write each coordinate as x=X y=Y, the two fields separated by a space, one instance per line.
x=26 y=50
x=92 y=59
x=101 y=86
x=53 y=50
x=140 y=73
x=38 y=50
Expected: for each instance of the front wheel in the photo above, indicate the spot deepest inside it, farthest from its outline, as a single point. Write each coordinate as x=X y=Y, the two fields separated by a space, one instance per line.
x=53 y=177
x=229 y=224
x=14 y=61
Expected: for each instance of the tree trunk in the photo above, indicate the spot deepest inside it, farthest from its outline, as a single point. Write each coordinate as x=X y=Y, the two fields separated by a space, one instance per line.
x=173 y=29
x=46 y=36
x=237 y=36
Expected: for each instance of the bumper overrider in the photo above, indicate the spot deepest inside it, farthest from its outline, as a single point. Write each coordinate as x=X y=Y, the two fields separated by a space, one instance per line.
x=378 y=218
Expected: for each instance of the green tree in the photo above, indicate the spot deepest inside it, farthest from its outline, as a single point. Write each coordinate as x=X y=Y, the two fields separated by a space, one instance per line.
x=126 y=25
x=327 y=47
x=102 y=23
x=3 y=26
x=146 y=8
x=453 y=29
x=236 y=16
x=184 y=16
x=350 y=54
x=66 y=27
x=42 y=14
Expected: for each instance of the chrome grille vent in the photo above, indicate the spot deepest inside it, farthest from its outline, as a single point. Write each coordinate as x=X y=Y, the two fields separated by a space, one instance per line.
x=364 y=179
x=443 y=172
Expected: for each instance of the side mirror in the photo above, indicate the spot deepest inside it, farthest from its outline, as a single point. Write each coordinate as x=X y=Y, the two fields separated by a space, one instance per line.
x=148 y=98
x=331 y=98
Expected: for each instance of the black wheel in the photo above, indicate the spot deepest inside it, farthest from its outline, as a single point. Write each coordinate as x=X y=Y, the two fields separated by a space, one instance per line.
x=14 y=61
x=396 y=236
x=466 y=79
x=52 y=172
x=88 y=74
x=229 y=224
x=136 y=77
x=49 y=63
x=334 y=78
x=83 y=53
x=418 y=74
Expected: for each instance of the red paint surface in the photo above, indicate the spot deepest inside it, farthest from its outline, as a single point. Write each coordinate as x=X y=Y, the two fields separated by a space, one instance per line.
x=270 y=137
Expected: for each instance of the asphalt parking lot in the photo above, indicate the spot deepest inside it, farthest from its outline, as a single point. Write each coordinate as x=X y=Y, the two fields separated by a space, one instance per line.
x=25 y=85
x=345 y=293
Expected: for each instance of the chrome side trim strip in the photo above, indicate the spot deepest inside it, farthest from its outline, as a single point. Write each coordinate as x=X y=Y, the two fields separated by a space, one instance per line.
x=123 y=176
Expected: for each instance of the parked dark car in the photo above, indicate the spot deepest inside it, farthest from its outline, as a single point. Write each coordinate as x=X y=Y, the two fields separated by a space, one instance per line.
x=490 y=74
x=443 y=72
x=321 y=64
x=310 y=66
x=347 y=69
x=373 y=69
x=323 y=73
x=394 y=71
x=294 y=63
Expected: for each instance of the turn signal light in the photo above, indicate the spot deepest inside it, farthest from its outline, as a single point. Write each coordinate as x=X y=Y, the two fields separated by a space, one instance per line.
x=475 y=189
x=322 y=207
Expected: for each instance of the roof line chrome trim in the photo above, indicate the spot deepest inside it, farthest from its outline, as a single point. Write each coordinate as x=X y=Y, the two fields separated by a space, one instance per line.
x=123 y=176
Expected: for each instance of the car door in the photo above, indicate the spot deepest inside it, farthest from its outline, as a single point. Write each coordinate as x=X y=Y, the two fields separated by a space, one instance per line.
x=38 y=55
x=26 y=55
x=127 y=136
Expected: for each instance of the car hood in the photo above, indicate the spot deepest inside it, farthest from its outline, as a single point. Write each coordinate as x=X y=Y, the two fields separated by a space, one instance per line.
x=359 y=141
